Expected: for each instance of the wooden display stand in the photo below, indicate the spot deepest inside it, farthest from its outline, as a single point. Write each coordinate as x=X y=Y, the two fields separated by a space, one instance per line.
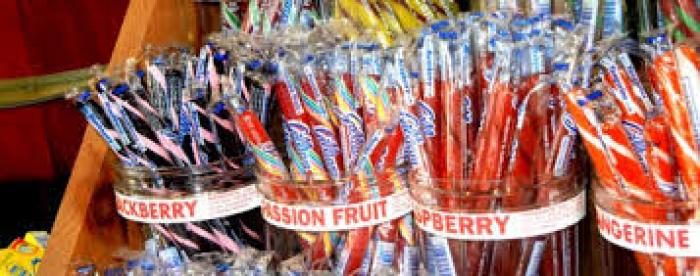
x=87 y=225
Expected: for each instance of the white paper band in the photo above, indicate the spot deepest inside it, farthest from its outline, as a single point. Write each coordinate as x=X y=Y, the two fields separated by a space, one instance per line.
x=337 y=217
x=503 y=225
x=671 y=240
x=200 y=207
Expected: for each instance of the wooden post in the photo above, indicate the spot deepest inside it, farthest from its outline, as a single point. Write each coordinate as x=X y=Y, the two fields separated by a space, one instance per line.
x=87 y=224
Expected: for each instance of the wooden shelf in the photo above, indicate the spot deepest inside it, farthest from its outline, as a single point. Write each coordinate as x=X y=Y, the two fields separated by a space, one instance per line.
x=87 y=225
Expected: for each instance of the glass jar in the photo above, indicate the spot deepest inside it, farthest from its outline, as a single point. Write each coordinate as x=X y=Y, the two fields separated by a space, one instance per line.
x=490 y=228
x=346 y=227
x=640 y=237
x=194 y=209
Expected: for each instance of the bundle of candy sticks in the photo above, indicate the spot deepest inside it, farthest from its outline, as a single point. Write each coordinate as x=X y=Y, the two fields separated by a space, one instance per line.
x=643 y=141
x=472 y=100
x=165 y=120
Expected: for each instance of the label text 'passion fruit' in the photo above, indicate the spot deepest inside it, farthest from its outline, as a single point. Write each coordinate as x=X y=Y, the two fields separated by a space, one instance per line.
x=336 y=217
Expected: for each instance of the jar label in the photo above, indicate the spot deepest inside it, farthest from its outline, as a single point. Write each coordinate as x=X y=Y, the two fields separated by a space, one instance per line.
x=501 y=225
x=200 y=207
x=337 y=217
x=667 y=239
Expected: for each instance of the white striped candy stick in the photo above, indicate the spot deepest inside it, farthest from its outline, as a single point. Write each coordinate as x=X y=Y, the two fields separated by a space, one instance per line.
x=684 y=145
x=289 y=99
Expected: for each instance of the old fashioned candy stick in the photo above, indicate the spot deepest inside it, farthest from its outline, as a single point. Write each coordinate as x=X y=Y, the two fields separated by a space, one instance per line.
x=268 y=159
x=388 y=178
x=688 y=67
x=387 y=233
x=617 y=148
x=626 y=164
x=684 y=145
x=272 y=167
x=352 y=135
x=588 y=127
x=296 y=167
x=423 y=9
x=251 y=19
x=528 y=146
x=361 y=11
x=289 y=99
x=465 y=82
x=494 y=138
x=494 y=141
x=451 y=102
x=618 y=84
x=429 y=107
x=418 y=162
x=408 y=20
x=380 y=147
x=112 y=112
x=231 y=144
x=659 y=155
x=688 y=64
x=323 y=129
x=370 y=90
x=295 y=104
x=562 y=147
x=524 y=170
x=94 y=116
x=630 y=73
x=131 y=137
x=375 y=163
x=205 y=138
x=358 y=242
x=145 y=136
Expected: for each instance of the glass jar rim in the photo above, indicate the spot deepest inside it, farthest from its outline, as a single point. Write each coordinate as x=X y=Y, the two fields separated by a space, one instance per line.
x=390 y=176
x=423 y=182
x=600 y=193
x=498 y=188
x=209 y=170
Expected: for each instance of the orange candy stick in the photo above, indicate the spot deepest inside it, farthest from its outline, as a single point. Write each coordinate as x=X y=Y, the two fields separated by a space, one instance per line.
x=659 y=155
x=619 y=86
x=586 y=124
x=625 y=163
x=684 y=145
